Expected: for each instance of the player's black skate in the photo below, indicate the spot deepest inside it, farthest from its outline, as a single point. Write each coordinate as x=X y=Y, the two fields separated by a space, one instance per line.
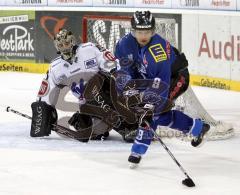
x=134 y=160
x=197 y=141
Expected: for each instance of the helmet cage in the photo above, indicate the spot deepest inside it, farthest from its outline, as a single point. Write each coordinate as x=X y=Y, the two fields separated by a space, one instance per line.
x=64 y=41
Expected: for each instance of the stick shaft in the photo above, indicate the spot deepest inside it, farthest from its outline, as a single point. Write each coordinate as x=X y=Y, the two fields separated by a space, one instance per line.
x=57 y=128
x=8 y=109
x=170 y=153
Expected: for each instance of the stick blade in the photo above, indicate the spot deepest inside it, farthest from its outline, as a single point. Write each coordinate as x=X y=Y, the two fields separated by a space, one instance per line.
x=188 y=182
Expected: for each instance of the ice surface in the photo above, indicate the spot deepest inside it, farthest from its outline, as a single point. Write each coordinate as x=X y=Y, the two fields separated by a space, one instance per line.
x=59 y=166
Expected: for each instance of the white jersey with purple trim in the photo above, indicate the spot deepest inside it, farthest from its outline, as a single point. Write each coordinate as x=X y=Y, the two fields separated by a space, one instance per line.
x=89 y=59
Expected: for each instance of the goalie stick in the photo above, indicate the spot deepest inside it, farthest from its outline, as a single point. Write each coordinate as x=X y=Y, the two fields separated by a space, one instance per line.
x=57 y=128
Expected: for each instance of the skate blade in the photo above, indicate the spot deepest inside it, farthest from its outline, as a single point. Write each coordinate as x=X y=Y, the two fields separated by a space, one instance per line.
x=133 y=165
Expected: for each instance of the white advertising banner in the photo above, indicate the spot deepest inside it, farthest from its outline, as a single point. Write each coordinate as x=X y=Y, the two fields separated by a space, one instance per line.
x=222 y=4
x=205 y=4
x=153 y=3
x=212 y=45
x=113 y=3
x=188 y=4
x=26 y=2
x=70 y=2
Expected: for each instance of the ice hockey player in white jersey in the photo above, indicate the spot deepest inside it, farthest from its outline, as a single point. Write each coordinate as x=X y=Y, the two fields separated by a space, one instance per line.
x=75 y=66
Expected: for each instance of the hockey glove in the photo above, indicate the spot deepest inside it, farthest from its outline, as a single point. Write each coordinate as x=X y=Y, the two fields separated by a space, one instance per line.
x=43 y=118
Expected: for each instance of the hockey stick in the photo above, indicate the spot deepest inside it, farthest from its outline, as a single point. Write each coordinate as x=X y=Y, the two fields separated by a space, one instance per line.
x=188 y=181
x=161 y=87
x=57 y=128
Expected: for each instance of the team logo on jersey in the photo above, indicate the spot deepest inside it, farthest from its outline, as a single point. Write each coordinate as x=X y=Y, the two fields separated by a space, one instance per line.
x=158 y=53
x=44 y=88
x=109 y=56
x=90 y=63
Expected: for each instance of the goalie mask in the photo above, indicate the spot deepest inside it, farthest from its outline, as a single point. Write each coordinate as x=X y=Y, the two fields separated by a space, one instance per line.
x=64 y=42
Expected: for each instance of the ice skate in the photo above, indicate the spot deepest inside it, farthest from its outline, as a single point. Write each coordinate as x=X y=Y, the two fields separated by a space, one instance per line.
x=134 y=160
x=199 y=140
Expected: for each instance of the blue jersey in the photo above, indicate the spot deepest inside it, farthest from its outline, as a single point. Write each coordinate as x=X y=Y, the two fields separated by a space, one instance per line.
x=151 y=61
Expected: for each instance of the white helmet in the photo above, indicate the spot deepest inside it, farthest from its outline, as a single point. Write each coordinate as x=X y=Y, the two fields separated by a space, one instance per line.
x=64 y=41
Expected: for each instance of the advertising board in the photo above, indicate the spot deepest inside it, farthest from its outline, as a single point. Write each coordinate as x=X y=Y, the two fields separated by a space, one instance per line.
x=153 y=3
x=70 y=2
x=205 y=4
x=212 y=45
x=113 y=3
x=26 y=2
x=17 y=35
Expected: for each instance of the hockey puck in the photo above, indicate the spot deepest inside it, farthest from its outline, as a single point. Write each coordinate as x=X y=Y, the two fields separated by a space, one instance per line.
x=188 y=182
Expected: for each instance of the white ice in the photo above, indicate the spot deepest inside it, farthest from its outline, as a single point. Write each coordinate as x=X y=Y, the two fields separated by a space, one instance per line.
x=59 y=166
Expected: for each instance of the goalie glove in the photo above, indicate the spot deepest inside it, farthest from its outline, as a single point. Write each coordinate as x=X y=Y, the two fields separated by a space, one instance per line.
x=43 y=118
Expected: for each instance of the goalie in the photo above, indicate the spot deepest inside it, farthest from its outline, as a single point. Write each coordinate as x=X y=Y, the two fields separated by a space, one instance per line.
x=76 y=66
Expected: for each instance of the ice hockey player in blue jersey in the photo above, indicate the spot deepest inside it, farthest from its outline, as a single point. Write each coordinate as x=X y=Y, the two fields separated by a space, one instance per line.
x=149 y=56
